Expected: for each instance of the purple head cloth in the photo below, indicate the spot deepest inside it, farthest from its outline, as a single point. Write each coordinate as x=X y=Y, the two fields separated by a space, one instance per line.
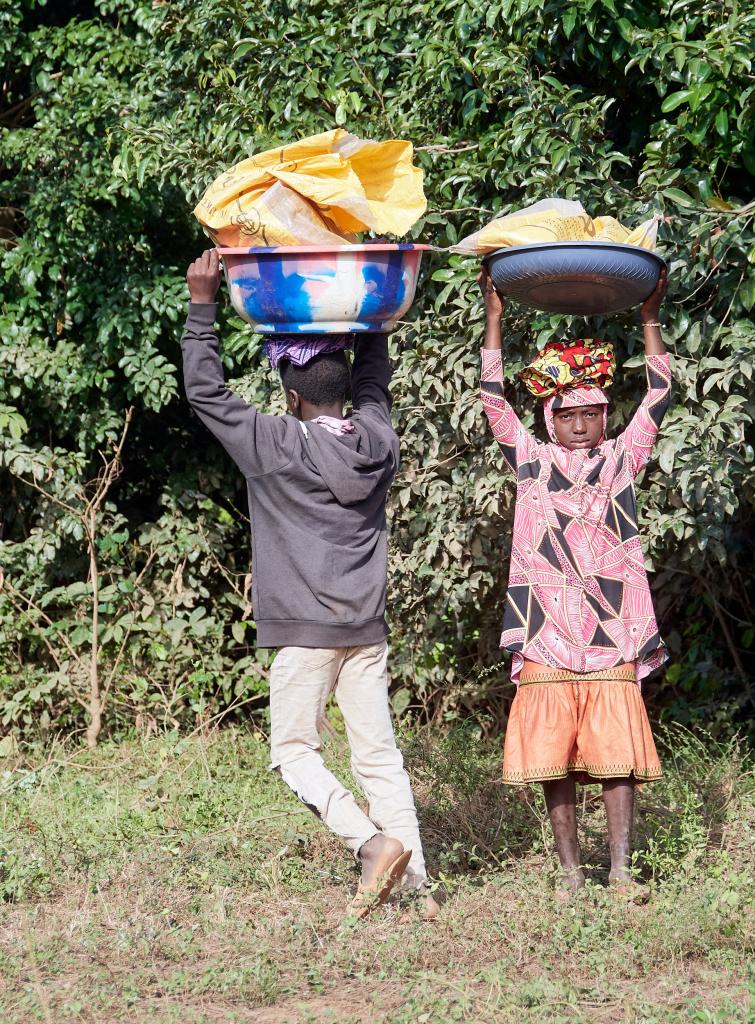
x=299 y=349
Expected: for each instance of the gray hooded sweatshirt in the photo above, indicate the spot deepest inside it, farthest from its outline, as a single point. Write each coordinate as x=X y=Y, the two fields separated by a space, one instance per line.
x=316 y=499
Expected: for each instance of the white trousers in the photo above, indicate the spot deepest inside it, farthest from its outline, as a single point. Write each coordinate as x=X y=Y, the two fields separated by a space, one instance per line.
x=301 y=681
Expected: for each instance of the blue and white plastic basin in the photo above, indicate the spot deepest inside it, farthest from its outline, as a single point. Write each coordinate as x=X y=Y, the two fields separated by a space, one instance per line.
x=336 y=289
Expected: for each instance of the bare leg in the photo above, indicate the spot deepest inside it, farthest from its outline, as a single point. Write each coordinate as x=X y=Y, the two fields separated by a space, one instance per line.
x=618 y=797
x=561 y=801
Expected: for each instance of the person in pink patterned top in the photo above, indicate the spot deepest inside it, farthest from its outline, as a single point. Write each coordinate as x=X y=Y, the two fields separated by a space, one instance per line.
x=579 y=616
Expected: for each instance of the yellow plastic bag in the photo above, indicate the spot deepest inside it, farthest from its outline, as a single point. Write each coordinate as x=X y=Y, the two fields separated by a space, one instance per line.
x=317 y=191
x=554 y=220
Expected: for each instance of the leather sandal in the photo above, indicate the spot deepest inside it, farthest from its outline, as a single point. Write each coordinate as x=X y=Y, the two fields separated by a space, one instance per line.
x=369 y=898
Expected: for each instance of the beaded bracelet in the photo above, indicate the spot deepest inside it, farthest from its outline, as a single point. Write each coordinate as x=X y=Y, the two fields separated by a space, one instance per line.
x=652 y=323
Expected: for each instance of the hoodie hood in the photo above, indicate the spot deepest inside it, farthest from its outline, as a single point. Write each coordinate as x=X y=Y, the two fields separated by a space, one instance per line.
x=355 y=465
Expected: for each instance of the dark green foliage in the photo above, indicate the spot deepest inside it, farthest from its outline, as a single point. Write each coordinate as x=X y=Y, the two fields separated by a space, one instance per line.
x=113 y=119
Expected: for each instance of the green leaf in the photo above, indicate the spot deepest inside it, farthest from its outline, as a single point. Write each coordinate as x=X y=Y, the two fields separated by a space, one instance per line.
x=747 y=293
x=245 y=46
x=627 y=29
x=748 y=158
x=569 y=20
x=678 y=197
x=698 y=94
x=676 y=99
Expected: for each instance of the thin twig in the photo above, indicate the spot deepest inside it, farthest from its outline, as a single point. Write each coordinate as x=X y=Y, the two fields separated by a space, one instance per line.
x=372 y=86
x=110 y=471
x=111 y=675
x=445 y=148
x=51 y=497
x=729 y=638
x=463 y=209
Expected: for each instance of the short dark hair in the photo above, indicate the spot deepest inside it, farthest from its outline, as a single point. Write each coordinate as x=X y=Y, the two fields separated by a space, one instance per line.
x=322 y=381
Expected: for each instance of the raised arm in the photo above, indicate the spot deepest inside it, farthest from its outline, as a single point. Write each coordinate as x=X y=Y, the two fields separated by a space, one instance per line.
x=254 y=441
x=515 y=441
x=371 y=375
x=642 y=430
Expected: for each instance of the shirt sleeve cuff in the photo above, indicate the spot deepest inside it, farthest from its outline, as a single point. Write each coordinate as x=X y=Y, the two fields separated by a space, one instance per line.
x=203 y=313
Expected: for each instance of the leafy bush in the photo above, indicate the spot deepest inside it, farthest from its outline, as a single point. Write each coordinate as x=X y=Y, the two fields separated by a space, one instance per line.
x=113 y=119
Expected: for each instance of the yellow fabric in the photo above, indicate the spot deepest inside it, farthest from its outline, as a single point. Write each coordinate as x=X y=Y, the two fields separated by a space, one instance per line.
x=317 y=191
x=554 y=220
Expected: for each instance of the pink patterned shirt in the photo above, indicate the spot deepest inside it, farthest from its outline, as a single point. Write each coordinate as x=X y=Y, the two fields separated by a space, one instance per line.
x=578 y=595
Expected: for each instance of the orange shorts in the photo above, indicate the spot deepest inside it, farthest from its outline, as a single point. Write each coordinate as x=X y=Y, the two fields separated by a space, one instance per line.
x=593 y=724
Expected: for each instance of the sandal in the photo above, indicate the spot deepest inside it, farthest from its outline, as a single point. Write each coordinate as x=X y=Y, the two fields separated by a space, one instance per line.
x=369 y=898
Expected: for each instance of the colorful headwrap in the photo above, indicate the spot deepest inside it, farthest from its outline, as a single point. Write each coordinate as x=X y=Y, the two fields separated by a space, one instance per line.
x=570 y=364
x=300 y=349
x=568 y=374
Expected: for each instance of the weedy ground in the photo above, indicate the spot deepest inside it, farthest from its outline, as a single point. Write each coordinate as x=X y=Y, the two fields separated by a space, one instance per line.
x=175 y=879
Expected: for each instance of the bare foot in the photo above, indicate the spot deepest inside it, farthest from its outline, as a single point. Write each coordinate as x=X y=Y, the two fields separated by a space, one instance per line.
x=418 y=889
x=571 y=881
x=375 y=855
x=628 y=888
x=383 y=861
x=621 y=875
x=429 y=908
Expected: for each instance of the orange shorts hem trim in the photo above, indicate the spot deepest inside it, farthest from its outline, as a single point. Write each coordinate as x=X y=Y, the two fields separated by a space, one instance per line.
x=597 y=772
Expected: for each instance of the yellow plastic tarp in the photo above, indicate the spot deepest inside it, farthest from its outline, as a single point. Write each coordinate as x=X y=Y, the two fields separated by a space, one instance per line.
x=554 y=220
x=318 y=191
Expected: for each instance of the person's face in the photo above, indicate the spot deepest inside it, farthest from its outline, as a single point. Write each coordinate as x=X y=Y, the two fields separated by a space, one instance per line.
x=579 y=427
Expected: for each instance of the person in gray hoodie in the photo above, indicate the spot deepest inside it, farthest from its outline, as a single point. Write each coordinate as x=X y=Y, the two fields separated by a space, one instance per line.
x=317 y=484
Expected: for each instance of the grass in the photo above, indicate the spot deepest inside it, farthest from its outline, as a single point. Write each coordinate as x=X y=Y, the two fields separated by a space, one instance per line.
x=177 y=880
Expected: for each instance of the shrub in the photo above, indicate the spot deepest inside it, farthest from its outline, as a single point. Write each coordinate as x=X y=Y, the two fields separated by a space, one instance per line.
x=114 y=117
